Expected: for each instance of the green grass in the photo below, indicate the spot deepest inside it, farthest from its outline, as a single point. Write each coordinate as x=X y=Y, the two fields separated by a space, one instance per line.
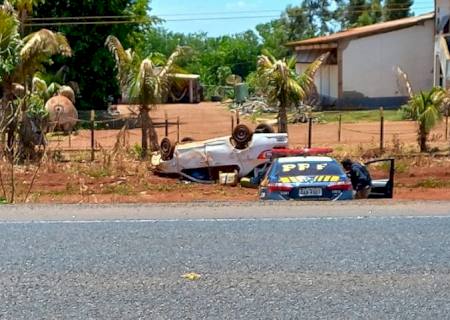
x=400 y=166
x=98 y=172
x=347 y=116
x=433 y=183
x=120 y=189
x=360 y=116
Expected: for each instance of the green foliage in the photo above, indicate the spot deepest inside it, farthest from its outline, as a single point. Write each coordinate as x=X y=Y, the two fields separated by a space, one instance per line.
x=355 y=8
x=361 y=116
x=98 y=172
x=364 y=19
x=92 y=66
x=362 y=13
x=36 y=107
x=223 y=73
x=312 y=18
x=136 y=150
x=256 y=83
x=397 y=9
x=212 y=58
x=282 y=84
x=274 y=37
x=10 y=42
x=120 y=189
x=433 y=183
x=320 y=14
x=425 y=108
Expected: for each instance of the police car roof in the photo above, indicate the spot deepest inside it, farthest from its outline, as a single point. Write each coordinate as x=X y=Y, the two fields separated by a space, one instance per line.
x=305 y=159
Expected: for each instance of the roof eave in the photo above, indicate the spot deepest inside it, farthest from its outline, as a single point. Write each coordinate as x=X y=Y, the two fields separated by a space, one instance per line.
x=336 y=38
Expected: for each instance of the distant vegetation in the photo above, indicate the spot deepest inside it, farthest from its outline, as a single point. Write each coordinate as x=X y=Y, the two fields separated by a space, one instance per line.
x=92 y=67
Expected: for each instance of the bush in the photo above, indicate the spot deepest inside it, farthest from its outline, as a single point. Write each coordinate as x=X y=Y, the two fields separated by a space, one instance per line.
x=406 y=112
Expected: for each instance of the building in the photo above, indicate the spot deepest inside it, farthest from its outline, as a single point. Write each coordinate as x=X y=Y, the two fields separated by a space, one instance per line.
x=361 y=70
x=441 y=44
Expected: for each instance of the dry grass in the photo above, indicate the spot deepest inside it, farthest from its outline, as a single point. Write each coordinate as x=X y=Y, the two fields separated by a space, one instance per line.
x=116 y=175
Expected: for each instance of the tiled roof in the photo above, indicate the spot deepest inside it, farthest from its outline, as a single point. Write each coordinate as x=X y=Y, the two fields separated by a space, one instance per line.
x=366 y=30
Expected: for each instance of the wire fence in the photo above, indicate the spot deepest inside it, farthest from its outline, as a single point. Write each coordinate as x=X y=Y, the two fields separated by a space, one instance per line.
x=100 y=133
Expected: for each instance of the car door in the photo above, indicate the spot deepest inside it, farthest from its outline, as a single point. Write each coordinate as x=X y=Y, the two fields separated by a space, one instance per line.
x=382 y=172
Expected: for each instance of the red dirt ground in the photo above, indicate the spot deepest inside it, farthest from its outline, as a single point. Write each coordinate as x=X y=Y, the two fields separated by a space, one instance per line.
x=80 y=183
x=208 y=120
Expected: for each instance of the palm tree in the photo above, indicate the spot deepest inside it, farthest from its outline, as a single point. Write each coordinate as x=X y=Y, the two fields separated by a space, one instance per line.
x=283 y=85
x=425 y=108
x=24 y=8
x=145 y=82
x=21 y=58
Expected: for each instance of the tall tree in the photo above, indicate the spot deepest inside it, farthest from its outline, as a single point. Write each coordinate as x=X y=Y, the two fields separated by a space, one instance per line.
x=20 y=58
x=283 y=85
x=299 y=22
x=91 y=66
x=208 y=55
x=354 y=10
x=274 y=35
x=397 y=9
x=376 y=11
x=145 y=82
x=319 y=15
x=295 y=23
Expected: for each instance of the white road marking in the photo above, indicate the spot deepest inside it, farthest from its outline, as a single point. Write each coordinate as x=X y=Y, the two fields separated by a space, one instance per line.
x=115 y=221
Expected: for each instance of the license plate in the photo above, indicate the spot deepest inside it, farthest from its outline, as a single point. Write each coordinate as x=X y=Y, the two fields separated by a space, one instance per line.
x=310 y=192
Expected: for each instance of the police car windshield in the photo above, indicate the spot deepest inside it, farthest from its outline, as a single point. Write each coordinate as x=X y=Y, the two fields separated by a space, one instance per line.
x=308 y=169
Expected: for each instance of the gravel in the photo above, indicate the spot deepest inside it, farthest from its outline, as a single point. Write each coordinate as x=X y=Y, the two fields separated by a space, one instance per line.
x=325 y=268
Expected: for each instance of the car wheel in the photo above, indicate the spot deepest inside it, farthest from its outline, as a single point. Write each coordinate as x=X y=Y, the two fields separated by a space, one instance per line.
x=167 y=149
x=242 y=135
x=264 y=128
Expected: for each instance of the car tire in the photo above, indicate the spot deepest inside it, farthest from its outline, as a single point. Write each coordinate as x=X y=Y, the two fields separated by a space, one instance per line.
x=242 y=135
x=167 y=149
x=264 y=128
x=187 y=140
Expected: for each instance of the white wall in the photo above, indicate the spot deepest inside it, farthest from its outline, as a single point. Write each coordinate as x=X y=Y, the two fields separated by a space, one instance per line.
x=369 y=62
x=442 y=10
x=326 y=79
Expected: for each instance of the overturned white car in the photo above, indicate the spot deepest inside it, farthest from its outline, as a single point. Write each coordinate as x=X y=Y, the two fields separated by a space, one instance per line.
x=243 y=152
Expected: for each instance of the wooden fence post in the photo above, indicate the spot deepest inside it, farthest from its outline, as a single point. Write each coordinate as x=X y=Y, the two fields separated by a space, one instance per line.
x=166 y=122
x=340 y=128
x=446 y=123
x=381 y=129
x=178 y=129
x=310 y=132
x=92 y=135
x=232 y=124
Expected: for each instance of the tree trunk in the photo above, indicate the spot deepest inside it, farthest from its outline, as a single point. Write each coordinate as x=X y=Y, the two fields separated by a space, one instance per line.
x=145 y=121
x=7 y=112
x=282 y=118
x=423 y=137
x=154 y=145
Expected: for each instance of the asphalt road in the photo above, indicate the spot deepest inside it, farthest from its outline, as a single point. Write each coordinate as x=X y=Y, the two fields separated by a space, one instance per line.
x=353 y=265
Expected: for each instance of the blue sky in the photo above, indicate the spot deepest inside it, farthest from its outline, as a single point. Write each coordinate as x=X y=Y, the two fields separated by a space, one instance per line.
x=258 y=10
